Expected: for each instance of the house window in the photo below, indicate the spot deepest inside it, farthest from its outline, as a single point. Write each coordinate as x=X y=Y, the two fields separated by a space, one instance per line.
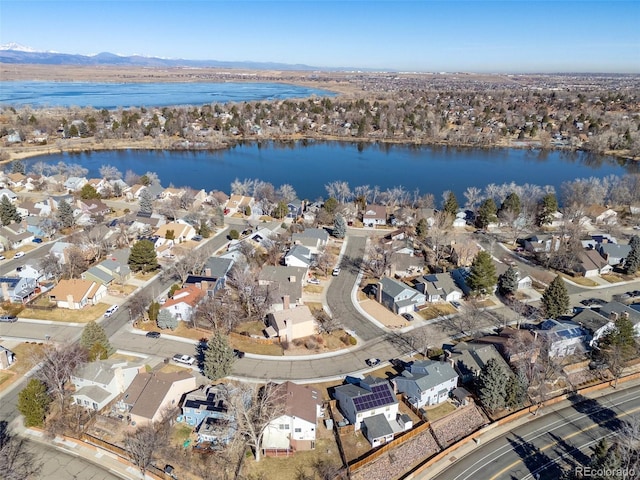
x=298 y=430
x=284 y=426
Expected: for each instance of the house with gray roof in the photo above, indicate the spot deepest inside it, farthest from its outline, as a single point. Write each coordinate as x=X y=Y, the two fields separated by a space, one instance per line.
x=98 y=275
x=74 y=184
x=298 y=256
x=563 y=338
x=98 y=383
x=398 y=296
x=615 y=254
x=14 y=236
x=312 y=238
x=599 y=322
x=438 y=287
x=17 y=289
x=283 y=282
x=426 y=382
x=468 y=359
x=217 y=267
x=118 y=270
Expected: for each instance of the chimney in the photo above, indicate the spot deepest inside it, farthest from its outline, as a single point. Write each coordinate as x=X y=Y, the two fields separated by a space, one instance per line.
x=625 y=315
x=5 y=292
x=285 y=302
x=204 y=285
x=613 y=316
x=292 y=279
x=70 y=301
x=207 y=272
x=379 y=295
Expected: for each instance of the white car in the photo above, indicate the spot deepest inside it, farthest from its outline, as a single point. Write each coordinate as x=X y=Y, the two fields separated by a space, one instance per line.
x=111 y=310
x=186 y=359
x=313 y=281
x=18 y=255
x=1 y=257
x=336 y=271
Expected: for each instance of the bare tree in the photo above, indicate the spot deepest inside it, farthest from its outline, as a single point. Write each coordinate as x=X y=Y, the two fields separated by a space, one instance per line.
x=473 y=195
x=56 y=365
x=50 y=266
x=109 y=172
x=143 y=443
x=628 y=442
x=325 y=260
x=18 y=462
x=254 y=299
x=255 y=408
x=326 y=323
x=138 y=305
x=287 y=193
x=439 y=235
x=76 y=262
x=378 y=258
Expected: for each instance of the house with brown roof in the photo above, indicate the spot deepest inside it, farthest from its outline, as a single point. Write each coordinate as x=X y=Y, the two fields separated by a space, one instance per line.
x=152 y=395
x=291 y=323
x=184 y=302
x=77 y=293
x=181 y=232
x=238 y=203
x=602 y=215
x=591 y=264
x=295 y=429
x=374 y=215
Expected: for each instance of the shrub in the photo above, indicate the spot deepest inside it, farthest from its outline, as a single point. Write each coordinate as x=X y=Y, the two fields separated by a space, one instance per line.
x=310 y=344
x=234 y=234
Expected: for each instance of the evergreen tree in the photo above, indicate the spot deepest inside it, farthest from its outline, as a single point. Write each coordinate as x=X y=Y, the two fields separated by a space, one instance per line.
x=143 y=256
x=486 y=213
x=166 y=320
x=281 y=210
x=95 y=341
x=618 y=345
x=422 y=227
x=508 y=282
x=482 y=276
x=218 y=357
x=492 y=385
x=8 y=212
x=547 y=206
x=330 y=205
x=339 y=227
x=153 y=311
x=451 y=204
x=204 y=229
x=33 y=402
x=511 y=204
x=632 y=262
x=88 y=191
x=555 y=299
x=516 y=391
x=145 y=201
x=234 y=234
x=65 y=214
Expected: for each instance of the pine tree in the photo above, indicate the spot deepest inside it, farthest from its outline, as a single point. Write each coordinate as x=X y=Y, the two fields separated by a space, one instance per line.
x=154 y=310
x=508 y=282
x=547 y=206
x=422 y=227
x=166 y=320
x=486 y=213
x=511 y=204
x=618 y=345
x=555 y=299
x=8 y=211
x=516 y=391
x=632 y=262
x=491 y=385
x=143 y=256
x=65 y=214
x=218 y=357
x=204 y=231
x=33 y=402
x=339 y=227
x=482 y=277
x=95 y=341
x=145 y=201
x=451 y=204
x=88 y=191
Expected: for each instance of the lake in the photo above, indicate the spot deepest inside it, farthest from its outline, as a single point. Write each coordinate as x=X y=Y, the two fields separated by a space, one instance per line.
x=309 y=166
x=114 y=95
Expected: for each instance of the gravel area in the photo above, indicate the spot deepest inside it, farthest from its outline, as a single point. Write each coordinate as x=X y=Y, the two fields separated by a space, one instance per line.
x=457 y=425
x=397 y=462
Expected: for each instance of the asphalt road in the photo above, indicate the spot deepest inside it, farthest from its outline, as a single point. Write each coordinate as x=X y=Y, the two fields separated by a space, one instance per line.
x=540 y=447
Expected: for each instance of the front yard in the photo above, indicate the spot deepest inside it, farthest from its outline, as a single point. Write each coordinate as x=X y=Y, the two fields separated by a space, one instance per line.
x=26 y=357
x=85 y=315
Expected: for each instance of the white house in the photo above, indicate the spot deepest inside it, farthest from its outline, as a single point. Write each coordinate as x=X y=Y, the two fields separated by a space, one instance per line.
x=374 y=215
x=298 y=256
x=398 y=296
x=563 y=338
x=438 y=287
x=183 y=302
x=426 y=382
x=77 y=293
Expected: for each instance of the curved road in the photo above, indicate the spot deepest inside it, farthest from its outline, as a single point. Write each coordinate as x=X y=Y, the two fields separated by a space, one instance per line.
x=540 y=446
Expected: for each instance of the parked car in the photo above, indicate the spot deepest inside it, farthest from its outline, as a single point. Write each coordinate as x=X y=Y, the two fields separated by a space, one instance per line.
x=372 y=362
x=8 y=318
x=18 y=255
x=407 y=316
x=238 y=353
x=196 y=238
x=313 y=281
x=1 y=257
x=153 y=334
x=37 y=240
x=111 y=310
x=336 y=272
x=186 y=359
x=456 y=304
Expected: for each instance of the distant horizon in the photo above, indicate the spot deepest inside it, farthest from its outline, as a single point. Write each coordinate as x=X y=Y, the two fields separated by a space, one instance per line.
x=483 y=37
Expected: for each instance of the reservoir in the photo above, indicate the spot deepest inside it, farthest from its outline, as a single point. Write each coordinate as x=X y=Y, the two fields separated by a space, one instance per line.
x=309 y=166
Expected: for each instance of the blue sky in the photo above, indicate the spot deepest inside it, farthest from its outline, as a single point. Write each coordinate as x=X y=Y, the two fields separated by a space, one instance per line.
x=475 y=36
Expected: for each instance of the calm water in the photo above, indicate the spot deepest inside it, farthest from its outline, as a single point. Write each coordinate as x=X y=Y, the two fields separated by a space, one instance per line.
x=114 y=95
x=310 y=166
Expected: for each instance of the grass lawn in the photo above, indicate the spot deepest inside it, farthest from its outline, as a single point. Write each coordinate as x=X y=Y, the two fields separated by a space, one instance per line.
x=312 y=289
x=126 y=358
x=251 y=346
x=5 y=376
x=180 y=433
x=442 y=410
x=314 y=306
x=612 y=278
x=26 y=358
x=92 y=312
x=171 y=368
x=585 y=282
x=122 y=290
x=146 y=276
x=437 y=310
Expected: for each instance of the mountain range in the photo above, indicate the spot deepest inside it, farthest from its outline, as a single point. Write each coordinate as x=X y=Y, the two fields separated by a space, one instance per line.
x=15 y=53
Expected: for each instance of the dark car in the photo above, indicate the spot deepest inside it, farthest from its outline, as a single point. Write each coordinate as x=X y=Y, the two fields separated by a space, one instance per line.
x=153 y=334
x=8 y=318
x=408 y=316
x=238 y=353
x=37 y=240
x=372 y=362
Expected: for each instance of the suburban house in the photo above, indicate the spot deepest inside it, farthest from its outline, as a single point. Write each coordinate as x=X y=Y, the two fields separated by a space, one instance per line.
x=5 y=192
x=74 y=184
x=218 y=267
x=438 y=287
x=426 y=382
x=468 y=359
x=29 y=271
x=398 y=296
x=176 y=232
x=118 y=269
x=283 y=282
x=96 y=274
x=151 y=396
x=591 y=264
x=98 y=383
x=17 y=289
x=460 y=221
x=14 y=236
x=615 y=254
x=523 y=282
x=7 y=357
x=370 y=404
x=206 y=409
x=295 y=429
x=294 y=208
x=515 y=345
x=133 y=192
x=597 y=323
x=291 y=323
x=542 y=243
x=238 y=203
x=374 y=215
x=77 y=293
x=93 y=207
x=563 y=338
x=298 y=256
x=312 y=238
x=602 y=215
x=460 y=276
x=463 y=253
x=183 y=302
